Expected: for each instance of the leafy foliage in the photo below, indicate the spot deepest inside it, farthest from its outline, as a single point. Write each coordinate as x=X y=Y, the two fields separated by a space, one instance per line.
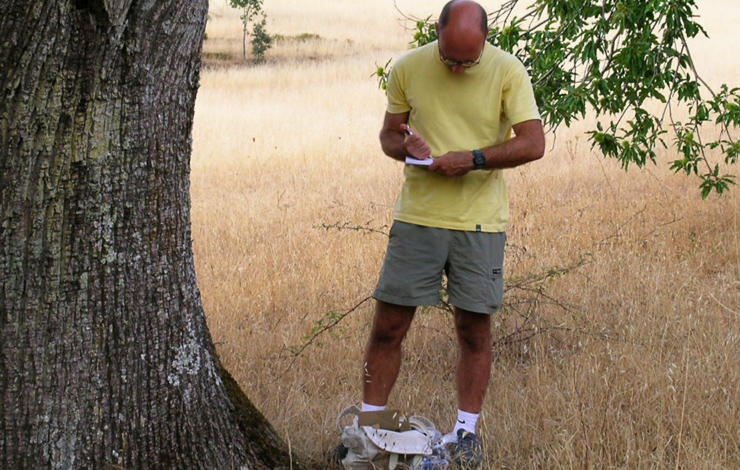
x=620 y=60
x=261 y=40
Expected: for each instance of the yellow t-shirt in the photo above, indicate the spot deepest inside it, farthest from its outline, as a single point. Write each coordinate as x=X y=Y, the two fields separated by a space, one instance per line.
x=459 y=112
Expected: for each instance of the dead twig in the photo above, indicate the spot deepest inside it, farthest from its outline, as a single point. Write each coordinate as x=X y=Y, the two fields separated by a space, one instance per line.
x=366 y=228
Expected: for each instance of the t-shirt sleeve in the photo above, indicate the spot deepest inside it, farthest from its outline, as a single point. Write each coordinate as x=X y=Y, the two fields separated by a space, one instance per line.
x=397 y=103
x=519 y=104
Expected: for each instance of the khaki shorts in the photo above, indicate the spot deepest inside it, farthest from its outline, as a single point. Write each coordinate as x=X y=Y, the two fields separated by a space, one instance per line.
x=417 y=256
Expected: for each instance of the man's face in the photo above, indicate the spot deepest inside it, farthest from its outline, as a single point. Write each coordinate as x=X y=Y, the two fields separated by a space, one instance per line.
x=459 y=53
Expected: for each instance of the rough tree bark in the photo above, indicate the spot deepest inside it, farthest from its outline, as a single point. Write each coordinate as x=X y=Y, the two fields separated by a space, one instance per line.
x=105 y=360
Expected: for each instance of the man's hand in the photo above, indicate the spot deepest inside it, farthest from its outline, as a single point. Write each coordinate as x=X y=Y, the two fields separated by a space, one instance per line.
x=415 y=144
x=453 y=163
x=528 y=144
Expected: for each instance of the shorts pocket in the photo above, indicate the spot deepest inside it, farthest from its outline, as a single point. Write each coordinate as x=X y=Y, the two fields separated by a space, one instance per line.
x=497 y=279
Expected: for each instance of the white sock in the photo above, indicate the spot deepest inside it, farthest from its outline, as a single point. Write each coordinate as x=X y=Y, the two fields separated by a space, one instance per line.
x=369 y=407
x=466 y=421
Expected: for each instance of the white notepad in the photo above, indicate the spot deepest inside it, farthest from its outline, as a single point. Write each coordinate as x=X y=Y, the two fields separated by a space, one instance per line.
x=415 y=161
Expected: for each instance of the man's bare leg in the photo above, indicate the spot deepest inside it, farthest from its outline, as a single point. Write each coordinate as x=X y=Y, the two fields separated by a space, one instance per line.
x=383 y=353
x=474 y=364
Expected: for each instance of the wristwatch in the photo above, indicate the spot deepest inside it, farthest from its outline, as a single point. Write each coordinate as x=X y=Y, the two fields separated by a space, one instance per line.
x=479 y=160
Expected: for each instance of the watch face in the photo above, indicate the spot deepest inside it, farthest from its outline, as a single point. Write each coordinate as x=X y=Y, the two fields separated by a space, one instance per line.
x=479 y=160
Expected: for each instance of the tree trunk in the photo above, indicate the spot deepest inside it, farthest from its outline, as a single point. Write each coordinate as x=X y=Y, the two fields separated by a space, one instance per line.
x=105 y=358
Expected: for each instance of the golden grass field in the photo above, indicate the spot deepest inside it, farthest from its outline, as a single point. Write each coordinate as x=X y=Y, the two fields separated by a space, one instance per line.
x=637 y=365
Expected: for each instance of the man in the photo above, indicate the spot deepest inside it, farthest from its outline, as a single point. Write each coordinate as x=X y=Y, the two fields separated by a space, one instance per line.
x=456 y=99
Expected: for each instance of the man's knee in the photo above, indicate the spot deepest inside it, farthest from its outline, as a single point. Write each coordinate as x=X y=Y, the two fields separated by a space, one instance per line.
x=391 y=323
x=473 y=330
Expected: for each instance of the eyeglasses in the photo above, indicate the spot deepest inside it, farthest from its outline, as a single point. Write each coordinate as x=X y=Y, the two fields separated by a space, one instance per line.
x=458 y=63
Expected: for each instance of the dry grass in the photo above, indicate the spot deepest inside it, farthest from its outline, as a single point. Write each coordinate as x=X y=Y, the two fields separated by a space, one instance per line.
x=639 y=366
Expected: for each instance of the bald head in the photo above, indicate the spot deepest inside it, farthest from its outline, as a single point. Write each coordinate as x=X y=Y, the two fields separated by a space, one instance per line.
x=462 y=29
x=464 y=15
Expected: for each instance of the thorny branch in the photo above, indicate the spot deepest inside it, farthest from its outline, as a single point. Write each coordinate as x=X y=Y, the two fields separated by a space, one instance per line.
x=328 y=326
x=535 y=296
x=356 y=227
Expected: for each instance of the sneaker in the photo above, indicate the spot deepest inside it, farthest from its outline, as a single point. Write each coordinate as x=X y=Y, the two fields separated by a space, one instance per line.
x=430 y=462
x=467 y=452
x=335 y=456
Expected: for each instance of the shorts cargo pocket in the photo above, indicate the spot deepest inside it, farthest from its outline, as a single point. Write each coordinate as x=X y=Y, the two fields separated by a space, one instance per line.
x=497 y=278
